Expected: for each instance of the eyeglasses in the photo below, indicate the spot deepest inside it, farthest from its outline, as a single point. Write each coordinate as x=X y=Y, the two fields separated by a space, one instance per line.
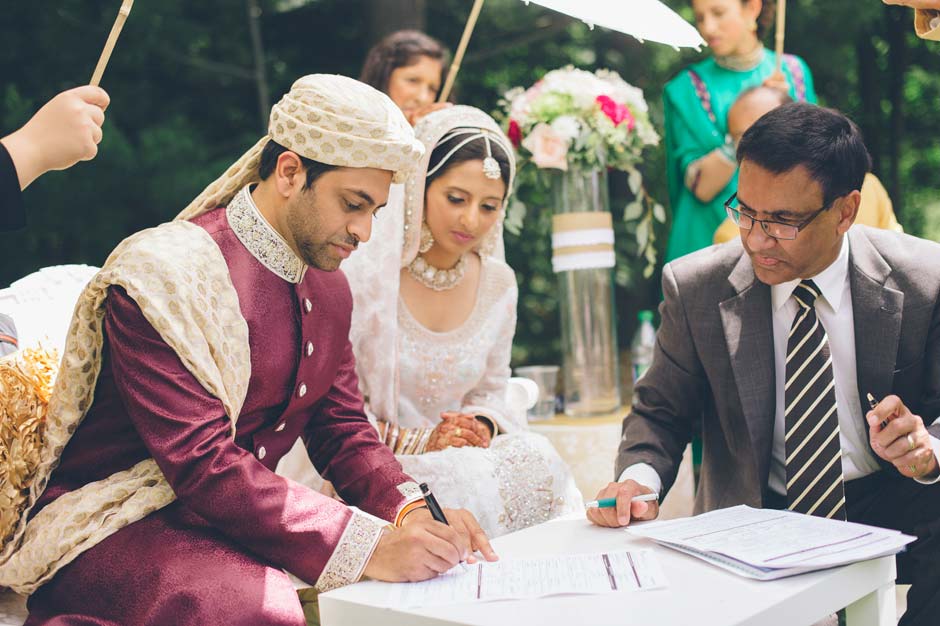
x=777 y=230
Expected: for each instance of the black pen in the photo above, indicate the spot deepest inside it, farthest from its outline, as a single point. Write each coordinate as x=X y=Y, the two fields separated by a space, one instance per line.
x=433 y=506
x=873 y=403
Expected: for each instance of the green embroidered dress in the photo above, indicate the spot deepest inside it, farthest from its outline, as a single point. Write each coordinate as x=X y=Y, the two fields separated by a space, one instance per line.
x=696 y=105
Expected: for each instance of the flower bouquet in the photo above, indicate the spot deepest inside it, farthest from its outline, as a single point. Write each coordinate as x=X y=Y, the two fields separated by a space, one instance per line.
x=573 y=126
x=575 y=119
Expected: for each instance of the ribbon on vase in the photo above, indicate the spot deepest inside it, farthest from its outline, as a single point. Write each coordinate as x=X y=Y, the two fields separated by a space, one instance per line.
x=583 y=240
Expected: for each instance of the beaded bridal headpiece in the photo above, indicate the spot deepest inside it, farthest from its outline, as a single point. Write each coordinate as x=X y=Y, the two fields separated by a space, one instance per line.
x=490 y=165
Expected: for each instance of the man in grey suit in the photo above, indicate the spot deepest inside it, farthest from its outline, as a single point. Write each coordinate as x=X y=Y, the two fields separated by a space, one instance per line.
x=769 y=346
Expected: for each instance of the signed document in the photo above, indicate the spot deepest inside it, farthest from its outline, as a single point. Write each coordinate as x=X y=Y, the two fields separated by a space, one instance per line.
x=523 y=578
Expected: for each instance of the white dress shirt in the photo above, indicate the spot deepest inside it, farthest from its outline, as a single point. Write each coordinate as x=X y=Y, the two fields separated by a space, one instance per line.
x=834 y=310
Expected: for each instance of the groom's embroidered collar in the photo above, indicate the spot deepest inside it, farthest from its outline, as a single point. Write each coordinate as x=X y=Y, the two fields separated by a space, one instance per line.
x=264 y=243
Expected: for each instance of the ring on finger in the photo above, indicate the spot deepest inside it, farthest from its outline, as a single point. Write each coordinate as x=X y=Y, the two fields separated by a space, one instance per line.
x=458 y=431
x=913 y=469
x=910 y=441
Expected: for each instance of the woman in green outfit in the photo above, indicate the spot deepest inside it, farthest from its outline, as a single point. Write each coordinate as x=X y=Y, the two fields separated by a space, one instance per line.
x=700 y=159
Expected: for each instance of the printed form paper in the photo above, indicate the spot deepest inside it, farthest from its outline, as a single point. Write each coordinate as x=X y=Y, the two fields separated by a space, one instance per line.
x=515 y=579
x=775 y=540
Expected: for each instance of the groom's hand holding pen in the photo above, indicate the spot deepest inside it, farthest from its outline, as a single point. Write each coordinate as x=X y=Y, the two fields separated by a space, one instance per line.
x=472 y=535
x=429 y=542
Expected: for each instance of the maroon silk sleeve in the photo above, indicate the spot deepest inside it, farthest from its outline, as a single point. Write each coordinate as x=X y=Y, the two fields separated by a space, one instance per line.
x=346 y=450
x=187 y=432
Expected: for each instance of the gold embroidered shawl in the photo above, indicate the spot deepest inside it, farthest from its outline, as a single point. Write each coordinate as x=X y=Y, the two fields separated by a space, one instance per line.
x=178 y=277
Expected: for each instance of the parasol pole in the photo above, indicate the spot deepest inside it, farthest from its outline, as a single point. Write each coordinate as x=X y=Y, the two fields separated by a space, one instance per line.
x=780 y=31
x=461 y=49
x=112 y=39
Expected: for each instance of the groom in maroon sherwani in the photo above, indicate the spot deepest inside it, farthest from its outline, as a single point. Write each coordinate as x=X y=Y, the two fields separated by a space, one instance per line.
x=216 y=555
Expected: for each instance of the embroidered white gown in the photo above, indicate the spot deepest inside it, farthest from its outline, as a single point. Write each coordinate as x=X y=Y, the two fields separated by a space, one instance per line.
x=520 y=480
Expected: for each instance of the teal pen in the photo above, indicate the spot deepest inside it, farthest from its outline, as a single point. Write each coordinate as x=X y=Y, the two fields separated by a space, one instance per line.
x=609 y=503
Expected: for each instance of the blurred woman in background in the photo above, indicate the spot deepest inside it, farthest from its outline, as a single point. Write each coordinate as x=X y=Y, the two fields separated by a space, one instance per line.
x=409 y=66
x=700 y=160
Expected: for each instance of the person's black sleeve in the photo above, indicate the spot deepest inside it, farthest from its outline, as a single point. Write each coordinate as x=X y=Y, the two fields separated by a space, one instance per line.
x=12 y=212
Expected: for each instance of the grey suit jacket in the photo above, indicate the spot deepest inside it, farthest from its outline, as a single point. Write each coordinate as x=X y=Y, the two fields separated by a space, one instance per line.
x=713 y=367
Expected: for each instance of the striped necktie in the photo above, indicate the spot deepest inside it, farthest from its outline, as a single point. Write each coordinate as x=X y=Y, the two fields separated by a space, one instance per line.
x=814 y=453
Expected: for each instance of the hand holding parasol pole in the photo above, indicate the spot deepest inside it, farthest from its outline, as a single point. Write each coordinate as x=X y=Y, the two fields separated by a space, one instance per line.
x=461 y=49
x=112 y=39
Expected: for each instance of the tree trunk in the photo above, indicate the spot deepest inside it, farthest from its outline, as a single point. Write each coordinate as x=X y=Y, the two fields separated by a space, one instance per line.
x=898 y=23
x=386 y=16
x=869 y=91
x=260 y=72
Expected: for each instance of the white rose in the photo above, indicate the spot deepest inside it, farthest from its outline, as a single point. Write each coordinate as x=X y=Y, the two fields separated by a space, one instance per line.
x=548 y=148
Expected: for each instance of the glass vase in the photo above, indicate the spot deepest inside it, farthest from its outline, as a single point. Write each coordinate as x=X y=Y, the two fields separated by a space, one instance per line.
x=583 y=259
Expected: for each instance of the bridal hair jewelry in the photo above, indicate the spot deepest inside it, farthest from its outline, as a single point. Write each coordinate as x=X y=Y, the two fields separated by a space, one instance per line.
x=427 y=239
x=434 y=278
x=490 y=165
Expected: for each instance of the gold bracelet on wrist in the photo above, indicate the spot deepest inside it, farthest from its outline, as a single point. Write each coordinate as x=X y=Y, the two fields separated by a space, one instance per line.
x=425 y=438
x=392 y=437
x=402 y=435
x=404 y=441
x=413 y=443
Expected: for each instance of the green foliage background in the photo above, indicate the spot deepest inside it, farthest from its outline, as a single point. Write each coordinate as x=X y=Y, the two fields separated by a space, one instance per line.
x=185 y=104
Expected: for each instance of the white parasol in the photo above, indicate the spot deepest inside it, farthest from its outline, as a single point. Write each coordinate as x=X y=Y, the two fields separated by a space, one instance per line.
x=647 y=20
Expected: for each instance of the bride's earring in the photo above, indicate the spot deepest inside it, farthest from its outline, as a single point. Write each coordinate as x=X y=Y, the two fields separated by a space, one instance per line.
x=427 y=240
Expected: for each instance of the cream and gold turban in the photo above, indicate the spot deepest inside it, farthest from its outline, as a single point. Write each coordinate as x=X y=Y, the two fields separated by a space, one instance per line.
x=331 y=119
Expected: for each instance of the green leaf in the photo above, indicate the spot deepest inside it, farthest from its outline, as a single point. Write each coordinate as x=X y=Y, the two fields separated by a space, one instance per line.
x=635 y=181
x=643 y=234
x=515 y=216
x=633 y=211
x=659 y=213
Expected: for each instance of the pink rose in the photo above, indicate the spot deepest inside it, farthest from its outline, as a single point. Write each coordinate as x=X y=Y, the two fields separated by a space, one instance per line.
x=616 y=112
x=548 y=148
x=514 y=133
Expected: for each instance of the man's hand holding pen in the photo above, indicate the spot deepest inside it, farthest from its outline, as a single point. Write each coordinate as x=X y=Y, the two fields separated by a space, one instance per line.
x=423 y=548
x=900 y=437
x=629 y=507
x=472 y=538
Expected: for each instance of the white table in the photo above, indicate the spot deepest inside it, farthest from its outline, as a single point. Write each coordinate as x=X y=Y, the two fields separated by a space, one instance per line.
x=589 y=446
x=697 y=594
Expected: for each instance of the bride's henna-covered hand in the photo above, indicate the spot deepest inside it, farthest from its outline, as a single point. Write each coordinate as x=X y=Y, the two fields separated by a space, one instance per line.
x=470 y=422
x=458 y=430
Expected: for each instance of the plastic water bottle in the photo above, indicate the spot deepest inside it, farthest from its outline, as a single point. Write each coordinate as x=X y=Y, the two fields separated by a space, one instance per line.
x=644 y=341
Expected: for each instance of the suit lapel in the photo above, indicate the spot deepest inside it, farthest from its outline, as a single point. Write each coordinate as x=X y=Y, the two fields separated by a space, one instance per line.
x=748 y=326
x=876 y=310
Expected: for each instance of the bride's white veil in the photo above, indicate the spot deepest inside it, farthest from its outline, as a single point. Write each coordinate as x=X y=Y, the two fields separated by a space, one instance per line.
x=374 y=271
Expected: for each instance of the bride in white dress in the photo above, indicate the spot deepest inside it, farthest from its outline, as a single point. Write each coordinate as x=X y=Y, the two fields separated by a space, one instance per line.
x=432 y=326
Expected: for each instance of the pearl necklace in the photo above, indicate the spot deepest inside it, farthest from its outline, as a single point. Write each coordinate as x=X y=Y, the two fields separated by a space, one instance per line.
x=434 y=278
